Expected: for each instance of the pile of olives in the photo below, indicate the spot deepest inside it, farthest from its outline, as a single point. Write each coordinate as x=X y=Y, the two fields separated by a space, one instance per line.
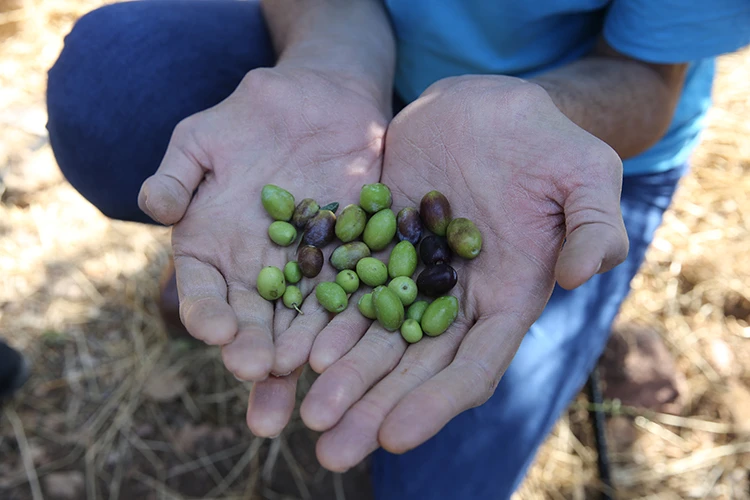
x=362 y=229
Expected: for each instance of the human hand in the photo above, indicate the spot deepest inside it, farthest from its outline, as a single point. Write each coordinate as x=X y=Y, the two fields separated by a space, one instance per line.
x=529 y=178
x=314 y=134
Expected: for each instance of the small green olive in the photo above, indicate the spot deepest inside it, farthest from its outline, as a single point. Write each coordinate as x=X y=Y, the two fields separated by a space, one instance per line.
x=278 y=202
x=282 y=233
x=375 y=197
x=417 y=309
x=404 y=288
x=331 y=296
x=271 y=283
x=366 y=307
x=439 y=315
x=388 y=308
x=293 y=298
x=372 y=272
x=292 y=272
x=346 y=256
x=348 y=280
x=380 y=230
x=403 y=260
x=411 y=331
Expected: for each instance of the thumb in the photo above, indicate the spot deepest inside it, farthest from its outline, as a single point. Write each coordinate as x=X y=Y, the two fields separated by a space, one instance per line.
x=166 y=195
x=595 y=239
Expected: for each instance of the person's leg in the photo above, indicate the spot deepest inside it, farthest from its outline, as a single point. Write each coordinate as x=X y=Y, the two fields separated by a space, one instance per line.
x=129 y=72
x=485 y=452
x=14 y=370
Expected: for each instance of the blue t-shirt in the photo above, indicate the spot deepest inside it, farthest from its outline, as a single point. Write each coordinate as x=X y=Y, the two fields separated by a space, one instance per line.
x=441 y=38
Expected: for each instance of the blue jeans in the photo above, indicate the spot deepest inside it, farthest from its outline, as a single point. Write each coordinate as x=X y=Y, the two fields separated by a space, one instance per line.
x=129 y=72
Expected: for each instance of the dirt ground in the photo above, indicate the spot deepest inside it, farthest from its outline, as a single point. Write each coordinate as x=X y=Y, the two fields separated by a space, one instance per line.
x=116 y=410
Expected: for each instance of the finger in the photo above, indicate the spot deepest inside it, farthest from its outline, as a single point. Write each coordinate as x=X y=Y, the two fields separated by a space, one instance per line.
x=250 y=355
x=166 y=195
x=356 y=434
x=467 y=382
x=340 y=332
x=347 y=380
x=271 y=404
x=202 y=294
x=596 y=240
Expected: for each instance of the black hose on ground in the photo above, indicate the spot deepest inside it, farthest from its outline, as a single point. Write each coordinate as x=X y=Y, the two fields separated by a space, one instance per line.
x=599 y=423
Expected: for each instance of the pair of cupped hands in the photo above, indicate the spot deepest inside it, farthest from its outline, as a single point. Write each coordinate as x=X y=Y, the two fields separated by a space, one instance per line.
x=497 y=147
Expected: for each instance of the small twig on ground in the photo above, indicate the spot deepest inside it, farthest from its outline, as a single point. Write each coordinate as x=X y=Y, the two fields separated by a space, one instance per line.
x=23 y=445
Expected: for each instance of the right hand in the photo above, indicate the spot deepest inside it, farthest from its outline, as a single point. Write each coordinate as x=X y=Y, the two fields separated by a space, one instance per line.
x=315 y=134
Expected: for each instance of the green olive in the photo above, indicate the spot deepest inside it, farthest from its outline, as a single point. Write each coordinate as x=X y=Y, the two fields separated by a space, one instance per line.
x=380 y=230
x=375 y=197
x=293 y=298
x=411 y=331
x=417 y=309
x=271 y=283
x=282 y=233
x=366 y=307
x=464 y=238
x=278 y=202
x=346 y=256
x=372 y=272
x=331 y=296
x=350 y=223
x=348 y=280
x=439 y=315
x=404 y=288
x=388 y=308
x=403 y=260
x=292 y=272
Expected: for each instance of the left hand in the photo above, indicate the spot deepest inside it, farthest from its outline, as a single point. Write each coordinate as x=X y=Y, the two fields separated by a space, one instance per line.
x=529 y=178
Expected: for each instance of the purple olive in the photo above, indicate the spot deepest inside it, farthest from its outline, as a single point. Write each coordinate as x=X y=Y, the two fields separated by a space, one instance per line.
x=437 y=280
x=320 y=230
x=435 y=211
x=409 y=225
x=310 y=260
x=434 y=249
x=305 y=210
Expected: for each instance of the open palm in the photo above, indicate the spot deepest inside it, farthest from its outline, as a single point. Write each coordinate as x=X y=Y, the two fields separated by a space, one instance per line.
x=530 y=179
x=303 y=131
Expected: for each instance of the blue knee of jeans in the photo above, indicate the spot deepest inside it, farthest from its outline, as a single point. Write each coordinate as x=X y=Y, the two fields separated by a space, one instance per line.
x=128 y=73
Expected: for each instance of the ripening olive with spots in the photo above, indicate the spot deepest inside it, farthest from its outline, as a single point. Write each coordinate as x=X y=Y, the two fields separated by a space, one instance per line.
x=435 y=211
x=404 y=288
x=408 y=225
x=350 y=223
x=347 y=256
x=464 y=238
x=305 y=210
x=348 y=280
x=271 y=283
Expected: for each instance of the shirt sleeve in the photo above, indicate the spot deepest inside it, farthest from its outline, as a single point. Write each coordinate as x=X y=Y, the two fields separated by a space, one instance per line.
x=677 y=31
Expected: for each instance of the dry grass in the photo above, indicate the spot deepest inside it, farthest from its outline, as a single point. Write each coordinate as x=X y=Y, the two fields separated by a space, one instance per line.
x=77 y=294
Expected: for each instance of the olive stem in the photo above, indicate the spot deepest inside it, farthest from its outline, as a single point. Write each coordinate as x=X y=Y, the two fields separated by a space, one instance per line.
x=298 y=309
